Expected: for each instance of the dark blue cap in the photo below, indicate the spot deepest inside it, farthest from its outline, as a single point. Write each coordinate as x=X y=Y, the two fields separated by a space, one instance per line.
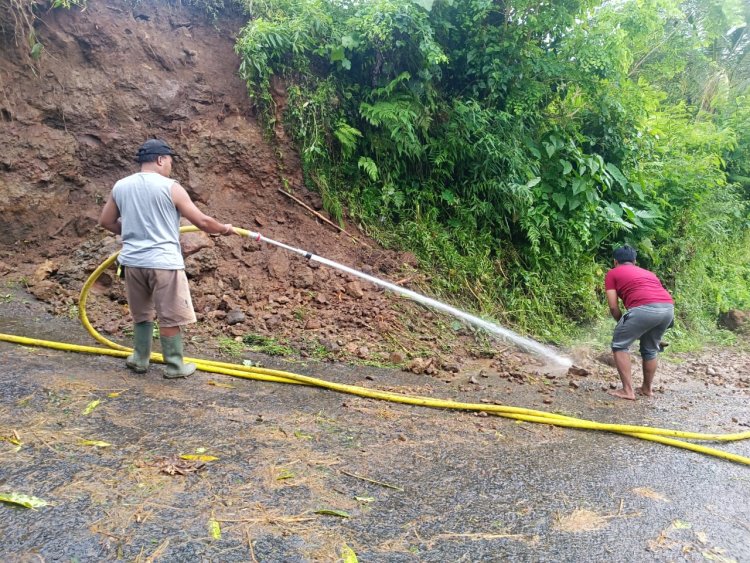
x=154 y=147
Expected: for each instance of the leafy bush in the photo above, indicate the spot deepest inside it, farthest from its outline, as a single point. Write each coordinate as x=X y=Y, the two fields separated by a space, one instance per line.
x=512 y=147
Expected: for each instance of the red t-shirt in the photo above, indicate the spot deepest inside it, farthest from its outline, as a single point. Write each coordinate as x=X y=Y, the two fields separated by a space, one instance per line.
x=636 y=286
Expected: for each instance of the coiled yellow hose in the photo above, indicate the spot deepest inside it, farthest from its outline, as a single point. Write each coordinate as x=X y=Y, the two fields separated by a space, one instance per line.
x=661 y=435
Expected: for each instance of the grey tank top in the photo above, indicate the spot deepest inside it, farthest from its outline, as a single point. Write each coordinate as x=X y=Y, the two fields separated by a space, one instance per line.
x=150 y=222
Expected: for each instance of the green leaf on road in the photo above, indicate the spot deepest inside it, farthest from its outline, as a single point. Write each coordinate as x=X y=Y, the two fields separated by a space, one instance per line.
x=95 y=443
x=91 y=406
x=348 y=555
x=215 y=529
x=333 y=512
x=22 y=500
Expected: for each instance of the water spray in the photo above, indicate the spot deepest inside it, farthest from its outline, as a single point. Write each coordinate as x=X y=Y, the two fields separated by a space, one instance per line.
x=522 y=342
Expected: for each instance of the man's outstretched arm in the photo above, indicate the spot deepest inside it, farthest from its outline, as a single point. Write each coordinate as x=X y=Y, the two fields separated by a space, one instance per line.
x=190 y=211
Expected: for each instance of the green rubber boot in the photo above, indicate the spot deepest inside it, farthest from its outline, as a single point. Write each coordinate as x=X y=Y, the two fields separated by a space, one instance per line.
x=171 y=349
x=143 y=334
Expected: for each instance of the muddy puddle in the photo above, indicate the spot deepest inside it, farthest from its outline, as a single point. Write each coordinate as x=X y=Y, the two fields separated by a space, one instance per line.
x=302 y=474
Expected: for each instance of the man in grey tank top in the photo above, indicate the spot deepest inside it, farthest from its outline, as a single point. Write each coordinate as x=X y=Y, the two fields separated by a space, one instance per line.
x=145 y=209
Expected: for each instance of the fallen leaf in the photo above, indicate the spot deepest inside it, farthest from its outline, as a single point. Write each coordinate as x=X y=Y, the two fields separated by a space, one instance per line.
x=581 y=520
x=15 y=440
x=22 y=500
x=196 y=457
x=285 y=474
x=173 y=465
x=681 y=525
x=214 y=529
x=12 y=439
x=715 y=555
x=649 y=493
x=333 y=512
x=348 y=555
x=301 y=435
x=95 y=443
x=365 y=499
x=91 y=406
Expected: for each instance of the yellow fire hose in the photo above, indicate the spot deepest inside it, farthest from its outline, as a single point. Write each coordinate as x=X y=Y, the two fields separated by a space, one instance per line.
x=661 y=435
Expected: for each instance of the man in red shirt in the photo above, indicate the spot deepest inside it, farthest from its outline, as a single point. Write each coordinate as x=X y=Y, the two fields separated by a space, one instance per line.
x=650 y=311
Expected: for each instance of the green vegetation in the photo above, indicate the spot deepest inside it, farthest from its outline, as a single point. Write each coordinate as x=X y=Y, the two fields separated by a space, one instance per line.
x=231 y=347
x=267 y=345
x=513 y=144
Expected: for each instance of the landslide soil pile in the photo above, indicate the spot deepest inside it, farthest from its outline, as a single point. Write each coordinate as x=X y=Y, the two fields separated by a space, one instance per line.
x=113 y=75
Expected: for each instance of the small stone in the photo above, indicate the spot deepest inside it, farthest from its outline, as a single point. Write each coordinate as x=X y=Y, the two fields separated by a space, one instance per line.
x=278 y=265
x=363 y=352
x=304 y=278
x=235 y=316
x=735 y=419
x=396 y=358
x=613 y=385
x=547 y=401
x=417 y=365
x=574 y=384
x=313 y=324
x=710 y=371
x=329 y=345
x=218 y=314
x=44 y=290
x=473 y=380
x=353 y=289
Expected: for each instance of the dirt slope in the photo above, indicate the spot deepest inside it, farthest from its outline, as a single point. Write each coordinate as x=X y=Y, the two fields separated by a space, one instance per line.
x=111 y=76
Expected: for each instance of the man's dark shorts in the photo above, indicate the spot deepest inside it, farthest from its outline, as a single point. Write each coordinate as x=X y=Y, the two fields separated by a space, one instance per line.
x=647 y=323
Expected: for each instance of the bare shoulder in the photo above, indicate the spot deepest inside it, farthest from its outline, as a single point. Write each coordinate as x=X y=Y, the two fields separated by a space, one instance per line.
x=178 y=192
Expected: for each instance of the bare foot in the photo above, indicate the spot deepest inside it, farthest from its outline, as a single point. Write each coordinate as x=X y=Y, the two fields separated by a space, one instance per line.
x=622 y=394
x=645 y=392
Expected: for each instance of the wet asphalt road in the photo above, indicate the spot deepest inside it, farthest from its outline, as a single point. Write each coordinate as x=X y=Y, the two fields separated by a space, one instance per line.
x=417 y=484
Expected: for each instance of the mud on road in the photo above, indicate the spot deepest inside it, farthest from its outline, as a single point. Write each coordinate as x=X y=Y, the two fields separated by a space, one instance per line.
x=303 y=472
